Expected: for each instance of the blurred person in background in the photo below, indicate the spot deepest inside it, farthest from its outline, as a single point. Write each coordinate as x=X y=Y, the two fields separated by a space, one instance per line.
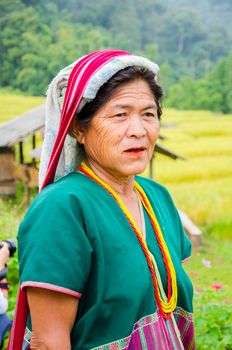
x=5 y=322
x=4 y=257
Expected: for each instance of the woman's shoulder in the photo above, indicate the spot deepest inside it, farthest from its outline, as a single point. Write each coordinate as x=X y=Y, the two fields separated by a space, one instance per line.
x=67 y=190
x=70 y=182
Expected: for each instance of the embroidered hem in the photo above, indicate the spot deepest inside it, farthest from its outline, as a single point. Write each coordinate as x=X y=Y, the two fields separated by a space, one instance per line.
x=151 y=332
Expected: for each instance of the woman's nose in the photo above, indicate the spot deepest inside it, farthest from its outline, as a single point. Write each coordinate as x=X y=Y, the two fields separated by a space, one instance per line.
x=136 y=127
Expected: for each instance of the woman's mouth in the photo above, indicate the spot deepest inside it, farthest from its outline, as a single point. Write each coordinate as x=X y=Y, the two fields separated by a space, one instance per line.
x=136 y=151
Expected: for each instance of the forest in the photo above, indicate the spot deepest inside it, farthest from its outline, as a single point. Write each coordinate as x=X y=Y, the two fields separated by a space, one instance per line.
x=190 y=40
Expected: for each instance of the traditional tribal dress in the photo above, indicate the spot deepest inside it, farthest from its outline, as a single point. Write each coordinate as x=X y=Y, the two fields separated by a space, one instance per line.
x=75 y=239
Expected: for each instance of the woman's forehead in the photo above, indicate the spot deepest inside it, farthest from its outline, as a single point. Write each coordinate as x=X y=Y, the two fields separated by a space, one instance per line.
x=130 y=92
x=147 y=105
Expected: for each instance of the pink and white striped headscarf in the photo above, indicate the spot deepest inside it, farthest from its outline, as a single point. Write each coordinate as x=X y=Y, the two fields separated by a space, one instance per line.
x=80 y=81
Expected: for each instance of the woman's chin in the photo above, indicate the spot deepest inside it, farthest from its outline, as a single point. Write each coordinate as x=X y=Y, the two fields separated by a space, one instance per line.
x=135 y=165
x=135 y=170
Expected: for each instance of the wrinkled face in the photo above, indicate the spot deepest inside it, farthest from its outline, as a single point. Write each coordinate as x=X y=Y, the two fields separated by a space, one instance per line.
x=121 y=136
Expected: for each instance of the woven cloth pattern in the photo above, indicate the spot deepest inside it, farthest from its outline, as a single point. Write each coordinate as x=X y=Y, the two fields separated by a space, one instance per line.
x=152 y=332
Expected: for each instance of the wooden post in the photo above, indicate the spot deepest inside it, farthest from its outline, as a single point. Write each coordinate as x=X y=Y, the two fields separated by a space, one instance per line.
x=21 y=160
x=151 y=173
x=33 y=147
x=33 y=141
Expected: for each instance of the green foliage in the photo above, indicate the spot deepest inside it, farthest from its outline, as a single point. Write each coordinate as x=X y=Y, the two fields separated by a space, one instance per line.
x=214 y=92
x=38 y=38
x=213 y=319
x=212 y=299
x=12 y=276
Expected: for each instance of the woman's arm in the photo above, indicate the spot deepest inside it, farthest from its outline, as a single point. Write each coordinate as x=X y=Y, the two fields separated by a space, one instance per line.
x=3 y=303
x=4 y=255
x=53 y=315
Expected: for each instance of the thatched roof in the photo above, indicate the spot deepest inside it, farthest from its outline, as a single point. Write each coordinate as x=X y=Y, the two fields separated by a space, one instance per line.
x=167 y=152
x=24 y=125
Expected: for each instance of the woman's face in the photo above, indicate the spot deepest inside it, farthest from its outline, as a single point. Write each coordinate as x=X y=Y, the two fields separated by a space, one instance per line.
x=120 y=138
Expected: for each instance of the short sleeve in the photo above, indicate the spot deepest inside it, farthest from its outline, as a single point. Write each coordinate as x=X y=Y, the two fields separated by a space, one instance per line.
x=54 y=251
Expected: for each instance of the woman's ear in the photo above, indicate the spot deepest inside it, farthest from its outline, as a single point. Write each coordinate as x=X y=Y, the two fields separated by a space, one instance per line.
x=76 y=131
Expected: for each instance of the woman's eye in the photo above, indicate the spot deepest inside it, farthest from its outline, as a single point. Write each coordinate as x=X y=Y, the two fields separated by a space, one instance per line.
x=120 y=115
x=149 y=114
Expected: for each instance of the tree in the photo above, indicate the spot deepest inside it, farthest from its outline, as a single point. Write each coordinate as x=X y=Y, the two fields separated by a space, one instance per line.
x=37 y=38
x=214 y=92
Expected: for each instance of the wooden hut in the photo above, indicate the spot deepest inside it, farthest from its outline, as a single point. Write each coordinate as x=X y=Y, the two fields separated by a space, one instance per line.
x=7 y=182
x=12 y=137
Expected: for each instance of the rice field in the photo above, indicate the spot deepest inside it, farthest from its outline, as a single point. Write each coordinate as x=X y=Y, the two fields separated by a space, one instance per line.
x=14 y=105
x=202 y=184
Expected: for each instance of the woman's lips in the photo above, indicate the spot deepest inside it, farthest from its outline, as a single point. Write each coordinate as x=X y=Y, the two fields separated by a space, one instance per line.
x=136 y=151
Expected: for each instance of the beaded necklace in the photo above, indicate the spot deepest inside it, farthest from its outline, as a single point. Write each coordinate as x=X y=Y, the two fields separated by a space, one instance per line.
x=166 y=305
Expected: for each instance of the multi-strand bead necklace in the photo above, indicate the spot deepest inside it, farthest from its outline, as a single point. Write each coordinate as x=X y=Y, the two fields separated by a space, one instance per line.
x=167 y=304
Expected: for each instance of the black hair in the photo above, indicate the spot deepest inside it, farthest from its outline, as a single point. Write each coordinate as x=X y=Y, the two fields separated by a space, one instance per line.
x=124 y=76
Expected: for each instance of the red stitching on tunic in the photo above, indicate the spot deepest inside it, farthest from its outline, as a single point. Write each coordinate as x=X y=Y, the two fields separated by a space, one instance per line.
x=186 y=259
x=51 y=287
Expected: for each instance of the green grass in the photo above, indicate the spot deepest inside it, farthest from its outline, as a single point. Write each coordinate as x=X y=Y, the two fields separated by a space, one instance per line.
x=10 y=216
x=14 y=105
x=218 y=252
x=212 y=307
x=195 y=169
x=202 y=147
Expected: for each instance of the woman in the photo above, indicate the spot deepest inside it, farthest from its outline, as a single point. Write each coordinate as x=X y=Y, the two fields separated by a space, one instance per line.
x=101 y=249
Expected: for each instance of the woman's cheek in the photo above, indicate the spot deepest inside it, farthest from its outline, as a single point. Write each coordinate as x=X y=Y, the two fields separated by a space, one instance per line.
x=98 y=147
x=153 y=134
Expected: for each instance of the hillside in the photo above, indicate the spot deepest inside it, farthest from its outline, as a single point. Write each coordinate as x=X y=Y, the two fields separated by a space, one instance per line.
x=186 y=38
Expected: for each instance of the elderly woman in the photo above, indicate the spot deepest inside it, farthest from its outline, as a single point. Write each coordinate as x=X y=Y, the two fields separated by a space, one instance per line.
x=101 y=249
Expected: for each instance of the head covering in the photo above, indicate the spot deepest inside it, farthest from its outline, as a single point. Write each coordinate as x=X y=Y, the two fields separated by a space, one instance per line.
x=70 y=90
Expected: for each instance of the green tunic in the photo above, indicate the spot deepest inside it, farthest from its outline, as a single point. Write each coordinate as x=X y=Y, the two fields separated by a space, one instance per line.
x=76 y=239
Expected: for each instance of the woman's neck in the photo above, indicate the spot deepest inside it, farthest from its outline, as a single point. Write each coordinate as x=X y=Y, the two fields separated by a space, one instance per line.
x=123 y=185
